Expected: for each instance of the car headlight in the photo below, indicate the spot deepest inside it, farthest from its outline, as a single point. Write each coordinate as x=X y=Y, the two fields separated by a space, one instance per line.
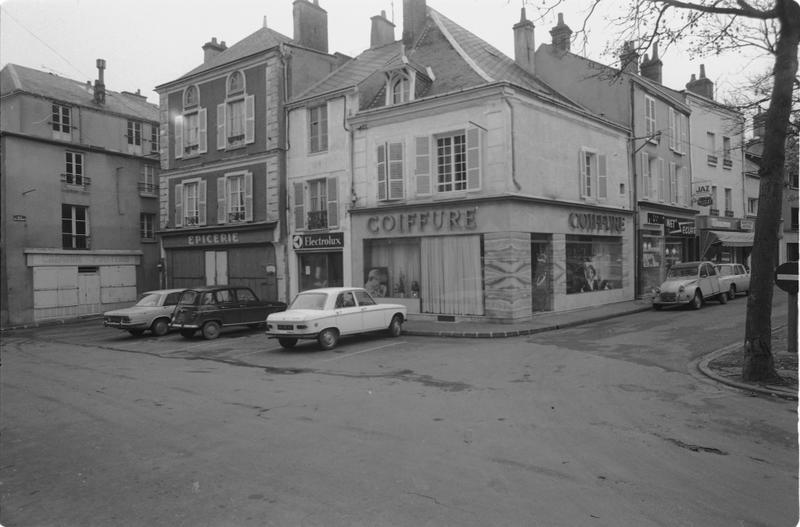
x=269 y=327
x=657 y=291
x=681 y=289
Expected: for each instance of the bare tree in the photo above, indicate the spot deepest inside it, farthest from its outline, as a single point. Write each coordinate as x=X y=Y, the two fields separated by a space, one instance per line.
x=706 y=27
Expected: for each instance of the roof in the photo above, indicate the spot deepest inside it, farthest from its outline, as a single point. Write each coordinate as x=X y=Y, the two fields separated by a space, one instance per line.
x=20 y=79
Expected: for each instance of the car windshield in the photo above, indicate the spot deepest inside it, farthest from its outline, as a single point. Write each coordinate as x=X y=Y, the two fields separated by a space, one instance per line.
x=309 y=301
x=188 y=298
x=148 y=300
x=682 y=272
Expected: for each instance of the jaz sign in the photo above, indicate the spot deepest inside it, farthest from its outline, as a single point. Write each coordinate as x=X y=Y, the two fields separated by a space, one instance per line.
x=701 y=191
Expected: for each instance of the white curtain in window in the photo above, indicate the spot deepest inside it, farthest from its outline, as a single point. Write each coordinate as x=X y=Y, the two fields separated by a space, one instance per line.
x=400 y=258
x=452 y=281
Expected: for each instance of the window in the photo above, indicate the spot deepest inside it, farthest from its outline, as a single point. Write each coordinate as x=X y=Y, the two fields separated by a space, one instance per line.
x=190 y=98
x=711 y=148
x=192 y=131
x=134 y=133
x=148 y=184
x=62 y=128
x=190 y=203
x=714 y=210
x=154 y=140
x=236 y=116
x=401 y=90
x=74 y=227
x=235 y=121
x=673 y=183
x=235 y=198
x=795 y=225
x=653 y=177
x=650 y=117
x=191 y=211
x=726 y=148
x=457 y=162
x=73 y=174
x=678 y=125
x=451 y=163
x=390 y=171
x=318 y=128
x=315 y=204
x=729 y=202
x=593 y=263
x=752 y=206
x=191 y=126
x=147 y=223
x=235 y=83
x=593 y=177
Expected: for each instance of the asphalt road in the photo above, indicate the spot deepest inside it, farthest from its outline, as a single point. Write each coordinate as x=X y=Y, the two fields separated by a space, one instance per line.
x=601 y=425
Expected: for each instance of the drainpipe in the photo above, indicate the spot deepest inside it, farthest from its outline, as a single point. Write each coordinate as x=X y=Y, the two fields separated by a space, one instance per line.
x=513 y=150
x=635 y=194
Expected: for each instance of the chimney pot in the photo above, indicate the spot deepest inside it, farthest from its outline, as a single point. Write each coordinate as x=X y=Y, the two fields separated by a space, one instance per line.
x=414 y=14
x=524 y=45
x=629 y=58
x=99 y=84
x=382 y=31
x=701 y=86
x=213 y=48
x=561 y=35
x=310 y=25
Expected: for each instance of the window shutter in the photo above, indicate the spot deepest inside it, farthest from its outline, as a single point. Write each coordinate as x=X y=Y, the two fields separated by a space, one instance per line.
x=582 y=173
x=684 y=127
x=673 y=184
x=382 y=172
x=299 y=209
x=684 y=175
x=248 y=196
x=422 y=165
x=249 y=119
x=178 y=136
x=395 y=179
x=662 y=180
x=222 y=210
x=473 y=158
x=602 y=177
x=202 y=135
x=333 y=203
x=201 y=202
x=179 y=205
x=221 y=124
x=673 y=131
x=644 y=170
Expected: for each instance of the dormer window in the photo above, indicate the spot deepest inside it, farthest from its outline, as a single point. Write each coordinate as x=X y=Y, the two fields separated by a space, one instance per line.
x=400 y=89
x=235 y=83
x=190 y=97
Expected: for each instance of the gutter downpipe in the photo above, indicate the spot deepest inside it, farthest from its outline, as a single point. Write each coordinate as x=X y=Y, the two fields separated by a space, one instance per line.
x=513 y=150
x=283 y=233
x=634 y=197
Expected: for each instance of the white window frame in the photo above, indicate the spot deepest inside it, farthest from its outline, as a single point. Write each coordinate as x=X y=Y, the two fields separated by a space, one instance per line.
x=191 y=144
x=155 y=142
x=182 y=219
x=752 y=206
x=134 y=134
x=650 y=118
x=593 y=174
x=147 y=226
x=390 y=163
x=77 y=174
x=227 y=209
x=61 y=121
x=318 y=128
x=302 y=202
x=73 y=232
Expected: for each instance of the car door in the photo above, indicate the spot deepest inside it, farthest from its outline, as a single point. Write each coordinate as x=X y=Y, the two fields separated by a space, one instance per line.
x=169 y=301
x=251 y=311
x=373 y=315
x=228 y=307
x=348 y=314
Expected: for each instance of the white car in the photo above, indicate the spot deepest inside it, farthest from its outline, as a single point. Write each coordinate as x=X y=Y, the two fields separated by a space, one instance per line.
x=153 y=311
x=733 y=278
x=329 y=313
x=690 y=284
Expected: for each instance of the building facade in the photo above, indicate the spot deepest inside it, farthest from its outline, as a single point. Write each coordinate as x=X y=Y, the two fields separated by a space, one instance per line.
x=79 y=186
x=223 y=182
x=465 y=187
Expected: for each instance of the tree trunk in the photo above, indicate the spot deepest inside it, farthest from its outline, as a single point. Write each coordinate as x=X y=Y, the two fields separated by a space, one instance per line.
x=758 y=362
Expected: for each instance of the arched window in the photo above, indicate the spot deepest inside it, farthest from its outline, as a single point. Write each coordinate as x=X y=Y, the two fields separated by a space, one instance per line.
x=235 y=83
x=400 y=89
x=190 y=97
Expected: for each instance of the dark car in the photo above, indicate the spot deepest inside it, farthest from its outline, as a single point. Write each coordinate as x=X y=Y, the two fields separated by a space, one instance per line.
x=211 y=308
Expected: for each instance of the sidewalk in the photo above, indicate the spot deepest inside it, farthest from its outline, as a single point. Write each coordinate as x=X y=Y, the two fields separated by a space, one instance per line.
x=723 y=365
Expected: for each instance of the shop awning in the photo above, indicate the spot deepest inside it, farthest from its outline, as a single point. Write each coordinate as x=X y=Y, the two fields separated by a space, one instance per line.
x=709 y=239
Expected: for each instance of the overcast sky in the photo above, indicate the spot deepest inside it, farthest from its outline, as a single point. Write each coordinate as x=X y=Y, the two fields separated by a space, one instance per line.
x=149 y=42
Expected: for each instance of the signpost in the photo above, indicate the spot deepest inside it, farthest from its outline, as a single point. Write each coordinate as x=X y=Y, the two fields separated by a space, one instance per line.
x=786 y=279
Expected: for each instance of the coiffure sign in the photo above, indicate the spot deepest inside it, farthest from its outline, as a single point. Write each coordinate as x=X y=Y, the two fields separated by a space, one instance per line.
x=590 y=222
x=422 y=222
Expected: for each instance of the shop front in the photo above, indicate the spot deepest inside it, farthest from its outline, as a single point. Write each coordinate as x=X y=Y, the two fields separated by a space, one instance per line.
x=664 y=240
x=499 y=260
x=239 y=256
x=318 y=260
x=725 y=240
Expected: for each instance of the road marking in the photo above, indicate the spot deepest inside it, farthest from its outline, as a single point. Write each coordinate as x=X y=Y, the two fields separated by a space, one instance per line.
x=359 y=352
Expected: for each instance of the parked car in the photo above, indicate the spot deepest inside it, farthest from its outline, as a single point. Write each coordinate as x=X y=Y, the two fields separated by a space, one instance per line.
x=329 y=313
x=208 y=309
x=733 y=278
x=152 y=312
x=689 y=283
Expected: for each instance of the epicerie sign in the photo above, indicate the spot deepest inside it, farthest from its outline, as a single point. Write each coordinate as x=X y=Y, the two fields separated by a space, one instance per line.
x=213 y=239
x=586 y=221
x=451 y=220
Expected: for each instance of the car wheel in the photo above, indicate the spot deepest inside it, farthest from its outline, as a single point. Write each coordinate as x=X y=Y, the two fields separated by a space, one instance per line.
x=160 y=327
x=287 y=343
x=657 y=307
x=328 y=338
x=210 y=330
x=396 y=326
x=136 y=332
x=697 y=301
x=187 y=333
x=732 y=292
x=723 y=297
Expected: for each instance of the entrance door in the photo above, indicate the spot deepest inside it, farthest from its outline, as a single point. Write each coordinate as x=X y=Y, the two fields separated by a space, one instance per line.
x=216 y=267
x=88 y=287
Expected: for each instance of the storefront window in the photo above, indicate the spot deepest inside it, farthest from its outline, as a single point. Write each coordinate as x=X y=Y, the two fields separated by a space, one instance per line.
x=320 y=270
x=392 y=268
x=652 y=246
x=542 y=272
x=594 y=263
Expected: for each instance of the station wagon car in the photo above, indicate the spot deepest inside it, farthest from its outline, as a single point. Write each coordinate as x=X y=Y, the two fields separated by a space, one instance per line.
x=733 y=278
x=329 y=313
x=208 y=309
x=690 y=284
x=152 y=312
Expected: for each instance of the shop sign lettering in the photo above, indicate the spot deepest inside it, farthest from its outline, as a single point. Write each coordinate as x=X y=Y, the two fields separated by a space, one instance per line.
x=589 y=222
x=420 y=222
x=213 y=239
x=331 y=240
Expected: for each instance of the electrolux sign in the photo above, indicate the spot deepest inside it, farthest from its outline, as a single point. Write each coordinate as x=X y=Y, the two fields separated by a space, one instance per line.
x=315 y=242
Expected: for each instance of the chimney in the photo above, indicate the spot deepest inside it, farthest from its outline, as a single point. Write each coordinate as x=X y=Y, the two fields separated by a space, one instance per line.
x=382 y=31
x=702 y=86
x=651 y=69
x=310 y=25
x=212 y=49
x=759 y=124
x=562 y=34
x=629 y=58
x=524 y=50
x=414 y=13
x=99 y=84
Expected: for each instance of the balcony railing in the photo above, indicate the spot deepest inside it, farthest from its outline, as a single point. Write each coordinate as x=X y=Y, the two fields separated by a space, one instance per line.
x=712 y=160
x=76 y=241
x=727 y=163
x=713 y=212
x=191 y=220
x=150 y=189
x=318 y=219
x=728 y=213
x=234 y=217
x=76 y=180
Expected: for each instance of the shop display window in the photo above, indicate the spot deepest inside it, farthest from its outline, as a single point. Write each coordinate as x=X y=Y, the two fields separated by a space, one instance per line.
x=542 y=272
x=594 y=263
x=392 y=268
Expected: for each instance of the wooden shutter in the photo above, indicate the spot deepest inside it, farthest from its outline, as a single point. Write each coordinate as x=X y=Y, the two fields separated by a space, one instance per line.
x=473 y=158
x=382 y=172
x=222 y=135
x=422 y=165
x=582 y=173
x=178 y=205
x=673 y=184
x=662 y=180
x=644 y=170
x=602 y=177
x=178 y=136
x=249 y=119
x=333 y=203
x=673 y=130
x=395 y=171
x=202 y=136
x=201 y=202
x=684 y=127
x=248 y=196
x=222 y=210
x=299 y=208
